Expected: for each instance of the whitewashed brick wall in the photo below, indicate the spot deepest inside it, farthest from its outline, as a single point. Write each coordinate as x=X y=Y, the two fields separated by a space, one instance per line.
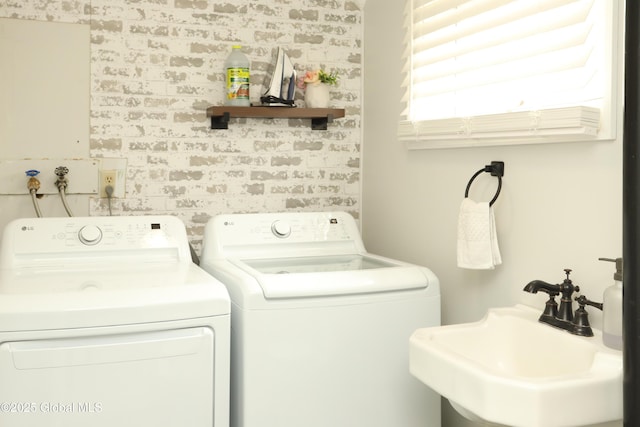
x=156 y=65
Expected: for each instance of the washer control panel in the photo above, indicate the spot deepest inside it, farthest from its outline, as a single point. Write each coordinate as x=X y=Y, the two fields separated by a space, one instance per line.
x=225 y=235
x=33 y=240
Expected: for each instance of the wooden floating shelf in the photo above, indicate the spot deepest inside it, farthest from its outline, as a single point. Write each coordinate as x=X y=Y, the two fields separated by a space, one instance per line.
x=320 y=117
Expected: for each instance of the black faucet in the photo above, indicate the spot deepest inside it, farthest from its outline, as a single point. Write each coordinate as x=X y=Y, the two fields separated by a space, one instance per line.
x=558 y=317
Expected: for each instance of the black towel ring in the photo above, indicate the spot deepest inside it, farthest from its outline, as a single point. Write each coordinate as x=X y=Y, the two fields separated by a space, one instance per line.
x=496 y=169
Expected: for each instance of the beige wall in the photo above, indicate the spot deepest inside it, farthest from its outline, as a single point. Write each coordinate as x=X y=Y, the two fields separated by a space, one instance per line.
x=560 y=205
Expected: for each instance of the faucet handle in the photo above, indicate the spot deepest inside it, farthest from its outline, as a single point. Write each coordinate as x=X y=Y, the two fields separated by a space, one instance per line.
x=581 y=324
x=582 y=301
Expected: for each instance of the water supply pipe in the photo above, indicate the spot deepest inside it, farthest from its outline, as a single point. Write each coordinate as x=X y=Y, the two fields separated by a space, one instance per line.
x=61 y=183
x=33 y=184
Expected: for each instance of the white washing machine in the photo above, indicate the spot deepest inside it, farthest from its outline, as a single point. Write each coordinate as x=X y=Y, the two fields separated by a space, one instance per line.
x=105 y=321
x=320 y=328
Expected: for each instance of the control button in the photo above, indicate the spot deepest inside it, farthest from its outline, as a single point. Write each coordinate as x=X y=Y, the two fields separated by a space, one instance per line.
x=90 y=235
x=281 y=229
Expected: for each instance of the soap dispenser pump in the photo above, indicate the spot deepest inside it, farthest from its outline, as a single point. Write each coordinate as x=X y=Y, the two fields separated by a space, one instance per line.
x=612 y=309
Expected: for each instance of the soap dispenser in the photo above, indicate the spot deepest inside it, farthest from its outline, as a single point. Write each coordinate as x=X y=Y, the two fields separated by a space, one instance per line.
x=612 y=309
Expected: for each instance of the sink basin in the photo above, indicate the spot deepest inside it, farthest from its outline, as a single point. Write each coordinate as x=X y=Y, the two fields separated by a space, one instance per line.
x=510 y=369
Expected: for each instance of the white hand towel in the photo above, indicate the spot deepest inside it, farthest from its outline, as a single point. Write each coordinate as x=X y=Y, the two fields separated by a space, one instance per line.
x=477 y=237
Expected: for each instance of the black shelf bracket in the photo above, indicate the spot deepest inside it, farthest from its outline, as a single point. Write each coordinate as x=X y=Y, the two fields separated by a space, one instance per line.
x=220 y=122
x=320 y=123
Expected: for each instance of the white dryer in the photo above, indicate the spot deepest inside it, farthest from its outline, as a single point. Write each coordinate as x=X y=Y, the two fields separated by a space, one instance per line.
x=105 y=321
x=320 y=328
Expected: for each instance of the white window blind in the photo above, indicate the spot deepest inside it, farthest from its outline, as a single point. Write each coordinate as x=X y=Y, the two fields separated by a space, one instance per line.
x=489 y=72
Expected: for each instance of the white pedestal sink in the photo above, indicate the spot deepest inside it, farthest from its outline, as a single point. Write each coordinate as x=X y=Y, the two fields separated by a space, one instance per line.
x=510 y=369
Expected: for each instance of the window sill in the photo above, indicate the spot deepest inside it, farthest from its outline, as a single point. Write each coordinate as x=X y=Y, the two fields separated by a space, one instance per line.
x=571 y=124
x=495 y=142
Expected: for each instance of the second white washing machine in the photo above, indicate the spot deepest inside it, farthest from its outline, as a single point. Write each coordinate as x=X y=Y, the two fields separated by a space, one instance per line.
x=319 y=327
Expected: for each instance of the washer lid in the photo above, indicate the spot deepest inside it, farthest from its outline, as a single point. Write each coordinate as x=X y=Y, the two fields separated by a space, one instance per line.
x=131 y=294
x=332 y=275
x=317 y=264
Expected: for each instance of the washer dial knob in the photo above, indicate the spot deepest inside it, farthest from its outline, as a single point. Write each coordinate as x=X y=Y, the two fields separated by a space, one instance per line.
x=281 y=229
x=90 y=235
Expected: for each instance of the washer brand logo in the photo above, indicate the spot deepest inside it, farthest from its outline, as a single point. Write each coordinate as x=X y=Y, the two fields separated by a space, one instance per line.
x=333 y=221
x=228 y=223
x=28 y=228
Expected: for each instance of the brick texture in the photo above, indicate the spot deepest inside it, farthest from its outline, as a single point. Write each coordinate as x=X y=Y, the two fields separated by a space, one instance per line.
x=156 y=65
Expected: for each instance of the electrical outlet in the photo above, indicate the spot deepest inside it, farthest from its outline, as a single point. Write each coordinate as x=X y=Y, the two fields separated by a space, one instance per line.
x=107 y=177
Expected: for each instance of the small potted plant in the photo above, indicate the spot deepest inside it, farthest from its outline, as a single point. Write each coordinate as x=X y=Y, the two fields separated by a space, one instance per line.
x=316 y=86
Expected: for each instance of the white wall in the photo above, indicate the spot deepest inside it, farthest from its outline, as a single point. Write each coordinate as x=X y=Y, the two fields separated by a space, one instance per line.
x=560 y=205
